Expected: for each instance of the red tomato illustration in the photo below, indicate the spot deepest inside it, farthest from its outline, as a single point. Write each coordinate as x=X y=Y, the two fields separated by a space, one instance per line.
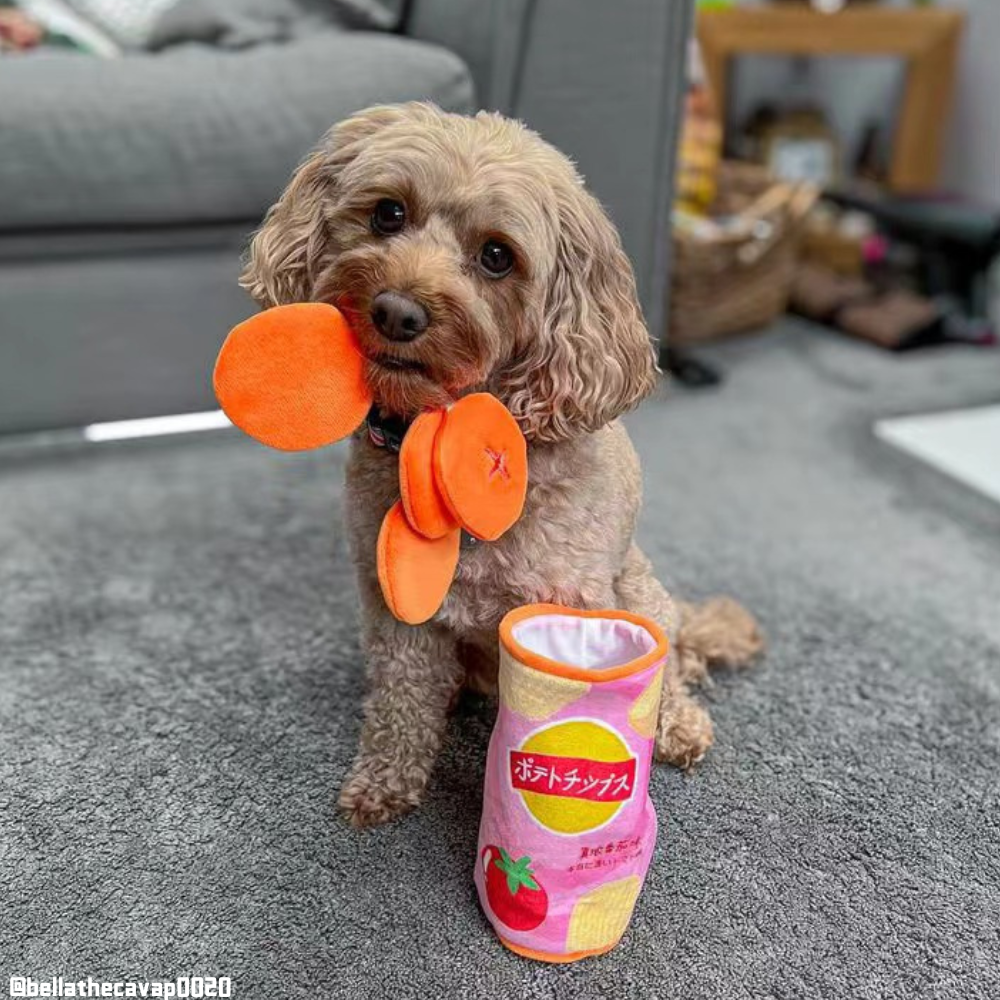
x=514 y=894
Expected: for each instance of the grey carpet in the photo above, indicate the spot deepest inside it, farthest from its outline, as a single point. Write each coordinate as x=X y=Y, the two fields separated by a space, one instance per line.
x=179 y=700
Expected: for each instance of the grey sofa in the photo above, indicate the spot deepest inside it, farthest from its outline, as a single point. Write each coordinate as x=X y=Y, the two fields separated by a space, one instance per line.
x=128 y=187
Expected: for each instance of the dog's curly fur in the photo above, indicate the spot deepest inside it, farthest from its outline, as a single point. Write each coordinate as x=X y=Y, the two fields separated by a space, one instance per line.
x=560 y=341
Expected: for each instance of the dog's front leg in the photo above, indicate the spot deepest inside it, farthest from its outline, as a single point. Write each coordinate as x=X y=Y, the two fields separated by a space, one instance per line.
x=414 y=675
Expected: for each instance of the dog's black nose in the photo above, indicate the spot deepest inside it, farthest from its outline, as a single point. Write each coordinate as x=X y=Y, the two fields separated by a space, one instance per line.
x=398 y=317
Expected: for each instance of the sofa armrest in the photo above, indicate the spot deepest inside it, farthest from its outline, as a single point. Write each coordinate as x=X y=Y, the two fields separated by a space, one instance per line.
x=602 y=81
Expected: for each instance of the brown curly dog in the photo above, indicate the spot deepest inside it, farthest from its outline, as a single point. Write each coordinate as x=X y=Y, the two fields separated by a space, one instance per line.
x=473 y=258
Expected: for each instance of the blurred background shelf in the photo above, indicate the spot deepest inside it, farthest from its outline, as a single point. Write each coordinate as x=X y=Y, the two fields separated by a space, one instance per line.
x=927 y=39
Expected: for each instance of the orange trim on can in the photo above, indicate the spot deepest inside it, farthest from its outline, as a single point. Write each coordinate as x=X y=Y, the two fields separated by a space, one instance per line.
x=538 y=662
x=556 y=958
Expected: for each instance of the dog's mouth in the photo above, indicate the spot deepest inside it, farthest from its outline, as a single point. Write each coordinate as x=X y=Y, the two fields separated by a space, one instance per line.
x=392 y=363
x=400 y=383
x=403 y=386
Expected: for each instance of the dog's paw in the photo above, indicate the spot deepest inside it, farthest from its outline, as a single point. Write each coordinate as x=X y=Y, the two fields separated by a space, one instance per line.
x=684 y=736
x=369 y=799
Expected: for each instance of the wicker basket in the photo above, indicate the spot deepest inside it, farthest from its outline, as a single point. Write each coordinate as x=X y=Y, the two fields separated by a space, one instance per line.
x=737 y=275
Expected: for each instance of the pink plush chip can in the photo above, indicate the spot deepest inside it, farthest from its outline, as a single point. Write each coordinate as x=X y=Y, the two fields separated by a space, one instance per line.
x=568 y=828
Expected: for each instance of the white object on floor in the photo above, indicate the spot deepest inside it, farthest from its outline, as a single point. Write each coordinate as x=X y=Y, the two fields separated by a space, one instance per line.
x=180 y=423
x=963 y=444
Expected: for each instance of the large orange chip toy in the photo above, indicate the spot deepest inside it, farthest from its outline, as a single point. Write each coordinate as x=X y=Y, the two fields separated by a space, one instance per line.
x=414 y=572
x=292 y=377
x=422 y=502
x=481 y=465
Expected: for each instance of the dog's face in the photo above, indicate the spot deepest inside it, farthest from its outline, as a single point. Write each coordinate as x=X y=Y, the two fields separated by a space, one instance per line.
x=467 y=255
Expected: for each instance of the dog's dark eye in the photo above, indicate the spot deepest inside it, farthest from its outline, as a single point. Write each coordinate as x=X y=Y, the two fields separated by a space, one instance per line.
x=496 y=258
x=388 y=217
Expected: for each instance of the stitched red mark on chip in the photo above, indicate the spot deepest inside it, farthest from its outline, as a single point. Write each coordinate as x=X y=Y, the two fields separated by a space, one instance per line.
x=499 y=460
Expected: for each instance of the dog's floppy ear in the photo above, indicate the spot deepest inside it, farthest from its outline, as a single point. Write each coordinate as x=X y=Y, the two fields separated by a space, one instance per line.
x=278 y=268
x=589 y=359
x=287 y=252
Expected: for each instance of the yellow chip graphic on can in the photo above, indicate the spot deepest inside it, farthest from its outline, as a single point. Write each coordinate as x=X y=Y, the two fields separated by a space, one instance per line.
x=534 y=694
x=645 y=711
x=600 y=916
x=573 y=776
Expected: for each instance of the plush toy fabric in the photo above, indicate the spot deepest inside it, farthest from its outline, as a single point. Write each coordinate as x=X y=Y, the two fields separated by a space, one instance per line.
x=568 y=827
x=481 y=465
x=425 y=508
x=461 y=468
x=293 y=377
x=414 y=572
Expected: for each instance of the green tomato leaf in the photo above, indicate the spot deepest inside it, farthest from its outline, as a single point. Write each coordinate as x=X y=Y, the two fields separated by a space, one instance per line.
x=517 y=873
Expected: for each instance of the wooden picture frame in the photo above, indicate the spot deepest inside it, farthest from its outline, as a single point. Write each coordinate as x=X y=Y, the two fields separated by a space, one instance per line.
x=927 y=39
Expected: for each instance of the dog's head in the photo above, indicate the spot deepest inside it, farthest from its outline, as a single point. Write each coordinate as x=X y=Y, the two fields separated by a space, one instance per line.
x=467 y=255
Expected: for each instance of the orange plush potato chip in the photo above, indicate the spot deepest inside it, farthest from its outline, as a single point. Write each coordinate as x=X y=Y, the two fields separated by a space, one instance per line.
x=481 y=465
x=292 y=377
x=422 y=502
x=414 y=572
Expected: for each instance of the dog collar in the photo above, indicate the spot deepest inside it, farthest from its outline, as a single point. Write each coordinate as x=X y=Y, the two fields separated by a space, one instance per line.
x=386 y=432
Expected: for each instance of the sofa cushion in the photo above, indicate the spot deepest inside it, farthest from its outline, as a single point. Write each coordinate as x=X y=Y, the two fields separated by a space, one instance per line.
x=238 y=24
x=192 y=134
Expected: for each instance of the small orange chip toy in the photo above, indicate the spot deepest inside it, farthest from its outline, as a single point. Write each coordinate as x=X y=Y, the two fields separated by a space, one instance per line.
x=422 y=502
x=293 y=378
x=414 y=572
x=481 y=465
